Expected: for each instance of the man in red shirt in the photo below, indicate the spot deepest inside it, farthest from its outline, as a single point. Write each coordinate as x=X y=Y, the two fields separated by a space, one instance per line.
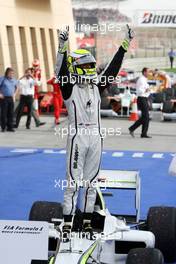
x=57 y=98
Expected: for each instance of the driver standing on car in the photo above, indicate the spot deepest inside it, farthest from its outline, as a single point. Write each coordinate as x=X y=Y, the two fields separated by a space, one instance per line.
x=81 y=96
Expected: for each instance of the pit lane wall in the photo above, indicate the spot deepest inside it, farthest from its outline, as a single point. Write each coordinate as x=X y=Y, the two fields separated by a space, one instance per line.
x=28 y=30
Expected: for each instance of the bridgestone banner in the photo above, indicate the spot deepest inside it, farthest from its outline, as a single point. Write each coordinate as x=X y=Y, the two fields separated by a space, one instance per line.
x=155 y=18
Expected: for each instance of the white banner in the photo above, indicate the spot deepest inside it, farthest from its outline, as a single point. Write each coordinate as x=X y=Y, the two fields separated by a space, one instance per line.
x=23 y=241
x=155 y=18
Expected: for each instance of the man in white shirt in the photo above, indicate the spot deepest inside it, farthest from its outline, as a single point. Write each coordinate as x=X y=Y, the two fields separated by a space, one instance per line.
x=26 y=88
x=143 y=92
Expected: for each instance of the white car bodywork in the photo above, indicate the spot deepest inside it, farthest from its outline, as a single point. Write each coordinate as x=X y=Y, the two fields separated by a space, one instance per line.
x=114 y=230
x=102 y=249
x=169 y=116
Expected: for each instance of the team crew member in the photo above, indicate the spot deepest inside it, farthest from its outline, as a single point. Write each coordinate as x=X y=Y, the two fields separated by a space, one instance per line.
x=57 y=98
x=143 y=92
x=36 y=72
x=37 y=77
x=165 y=80
x=8 y=88
x=26 y=88
x=81 y=96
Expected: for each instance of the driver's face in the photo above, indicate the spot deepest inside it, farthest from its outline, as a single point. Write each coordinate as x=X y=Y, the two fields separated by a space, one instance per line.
x=86 y=66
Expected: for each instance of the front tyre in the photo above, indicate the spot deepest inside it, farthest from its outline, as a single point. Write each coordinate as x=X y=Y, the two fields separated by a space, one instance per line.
x=45 y=211
x=161 y=221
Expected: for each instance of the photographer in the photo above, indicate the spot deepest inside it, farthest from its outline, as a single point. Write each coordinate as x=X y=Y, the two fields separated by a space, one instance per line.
x=26 y=88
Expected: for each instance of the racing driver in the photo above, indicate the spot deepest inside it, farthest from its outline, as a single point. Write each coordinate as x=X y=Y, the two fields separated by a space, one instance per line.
x=81 y=89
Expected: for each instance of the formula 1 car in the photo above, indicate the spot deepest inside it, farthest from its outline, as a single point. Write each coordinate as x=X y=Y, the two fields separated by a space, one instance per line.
x=115 y=241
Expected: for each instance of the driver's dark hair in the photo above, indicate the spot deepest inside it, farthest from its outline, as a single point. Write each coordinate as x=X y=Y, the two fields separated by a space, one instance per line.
x=9 y=69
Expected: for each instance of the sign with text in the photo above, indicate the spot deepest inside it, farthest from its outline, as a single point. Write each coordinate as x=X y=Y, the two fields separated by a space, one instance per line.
x=23 y=241
x=155 y=18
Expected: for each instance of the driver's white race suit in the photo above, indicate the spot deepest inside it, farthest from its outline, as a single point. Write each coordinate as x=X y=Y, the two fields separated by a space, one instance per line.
x=84 y=144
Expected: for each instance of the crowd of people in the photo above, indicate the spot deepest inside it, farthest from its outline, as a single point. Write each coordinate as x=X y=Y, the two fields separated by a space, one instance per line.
x=27 y=89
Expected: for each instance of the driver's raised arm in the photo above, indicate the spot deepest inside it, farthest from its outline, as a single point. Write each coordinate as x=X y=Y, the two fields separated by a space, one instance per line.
x=61 y=69
x=112 y=69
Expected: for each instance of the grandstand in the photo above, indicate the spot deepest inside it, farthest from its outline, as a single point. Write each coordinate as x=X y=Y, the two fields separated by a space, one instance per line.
x=150 y=42
x=100 y=13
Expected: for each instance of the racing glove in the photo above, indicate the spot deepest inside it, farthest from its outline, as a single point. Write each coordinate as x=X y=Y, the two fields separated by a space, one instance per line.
x=62 y=48
x=129 y=36
x=63 y=40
